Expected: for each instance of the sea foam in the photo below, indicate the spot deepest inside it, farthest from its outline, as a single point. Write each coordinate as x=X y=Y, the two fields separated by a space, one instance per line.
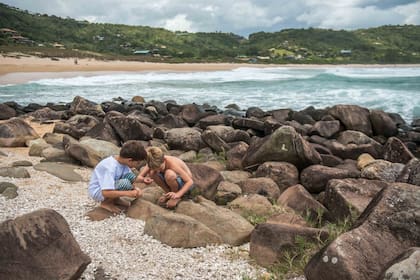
x=392 y=89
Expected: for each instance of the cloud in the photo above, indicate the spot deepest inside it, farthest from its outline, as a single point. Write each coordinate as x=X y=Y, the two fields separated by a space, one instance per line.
x=179 y=23
x=238 y=16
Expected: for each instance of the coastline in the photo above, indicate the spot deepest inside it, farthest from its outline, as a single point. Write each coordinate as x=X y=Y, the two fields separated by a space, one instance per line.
x=24 y=69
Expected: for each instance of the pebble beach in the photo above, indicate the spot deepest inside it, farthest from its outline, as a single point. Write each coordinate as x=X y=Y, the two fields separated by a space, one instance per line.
x=117 y=246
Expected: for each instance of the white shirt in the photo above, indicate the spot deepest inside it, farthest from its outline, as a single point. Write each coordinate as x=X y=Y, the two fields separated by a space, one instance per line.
x=106 y=172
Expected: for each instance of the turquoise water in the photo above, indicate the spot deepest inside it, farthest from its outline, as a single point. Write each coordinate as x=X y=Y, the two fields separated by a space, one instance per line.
x=392 y=89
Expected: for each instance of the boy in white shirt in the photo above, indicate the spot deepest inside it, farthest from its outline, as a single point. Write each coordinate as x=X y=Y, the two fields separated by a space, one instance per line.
x=112 y=177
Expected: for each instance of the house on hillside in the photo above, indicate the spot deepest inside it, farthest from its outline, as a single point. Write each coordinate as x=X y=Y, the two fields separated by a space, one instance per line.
x=7 y=31
x=58 y=45
x=345 y=52
x=142 y=52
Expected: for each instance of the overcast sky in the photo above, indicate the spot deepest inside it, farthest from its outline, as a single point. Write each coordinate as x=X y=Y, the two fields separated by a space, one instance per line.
x=241 y=17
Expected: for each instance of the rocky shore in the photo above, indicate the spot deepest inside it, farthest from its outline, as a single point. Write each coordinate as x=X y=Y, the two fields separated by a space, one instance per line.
x=299 y=172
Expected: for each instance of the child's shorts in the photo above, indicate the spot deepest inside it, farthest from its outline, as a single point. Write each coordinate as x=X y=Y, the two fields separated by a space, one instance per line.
x=126 y=182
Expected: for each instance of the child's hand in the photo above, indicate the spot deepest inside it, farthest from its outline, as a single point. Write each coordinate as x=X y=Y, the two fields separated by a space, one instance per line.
x=172 y=195
x=137 y=192
x=147 y=180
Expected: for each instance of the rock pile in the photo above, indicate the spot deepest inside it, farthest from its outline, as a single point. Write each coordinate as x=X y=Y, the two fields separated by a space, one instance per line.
x=327 y=164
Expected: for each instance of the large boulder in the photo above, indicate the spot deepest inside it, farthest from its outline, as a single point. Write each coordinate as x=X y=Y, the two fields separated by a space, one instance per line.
x=129 y=127
x=405 y=266
x=104 y=131
x=283 y=173
x=382 y=170
x=226 y=192
x=235 y=154
x=61 y=170
x=40 y=245
x=262 y=186
x=15 y=132
x=348 y=198
x=184 y=232
x=382 y=123
x=384 y=230
x=410 y=173
x=46 y=114
x=315 y=177
x=230 y=226
x=184 y=139
x=77 y=126
x=218 y=119
x=214 y=141
x=253 y=204
x=171 y=121
x=14 y=172
x=90 y=151
x=270 y=242
x=325 y=129
x=206 y=179
x=143 y=209
x=6 y=112
x=192 y=113
x=302 y=202
x=353 y=117
x=285 y=144
x=396 y=151
x=83 y=106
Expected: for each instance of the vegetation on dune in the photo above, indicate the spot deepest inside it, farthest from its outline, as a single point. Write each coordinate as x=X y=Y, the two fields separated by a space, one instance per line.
x=46 y=35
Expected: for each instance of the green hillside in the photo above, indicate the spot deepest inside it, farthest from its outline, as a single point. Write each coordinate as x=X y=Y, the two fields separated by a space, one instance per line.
x=46 y=35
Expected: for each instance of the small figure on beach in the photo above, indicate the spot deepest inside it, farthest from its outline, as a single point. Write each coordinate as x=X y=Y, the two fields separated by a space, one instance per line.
x=113 y=178
x=75 y=61
x=170 y=173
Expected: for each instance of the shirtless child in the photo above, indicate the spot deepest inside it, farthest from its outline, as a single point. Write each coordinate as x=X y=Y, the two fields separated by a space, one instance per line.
x=170 y=173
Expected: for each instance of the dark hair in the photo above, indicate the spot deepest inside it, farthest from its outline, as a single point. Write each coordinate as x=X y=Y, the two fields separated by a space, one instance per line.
x=133 y=149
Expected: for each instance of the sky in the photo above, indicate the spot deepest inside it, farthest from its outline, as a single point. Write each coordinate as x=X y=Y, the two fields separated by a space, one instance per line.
x=241 y=17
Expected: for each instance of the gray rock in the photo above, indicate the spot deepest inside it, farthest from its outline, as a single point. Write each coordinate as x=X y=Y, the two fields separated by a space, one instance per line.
x=285 y=144
x=262 y=186
x=185 y=231
x=353 y=117
x=230 y=226
x=405 y=266
x=14 y=172
x=15 y=133
x=253 y=204
x=410 y=173
x=283 y=173
x=315 y=177
x=226 y=192
x=61 y=170
x=270 y=242
x=184 y=139
x=384 y=230
x=348 y=198
x=382 y=170
x=302 y=202
x=40 y=245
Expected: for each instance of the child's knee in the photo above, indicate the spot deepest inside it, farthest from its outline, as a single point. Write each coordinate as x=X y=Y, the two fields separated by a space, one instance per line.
x=123 y=185
x=170 y=175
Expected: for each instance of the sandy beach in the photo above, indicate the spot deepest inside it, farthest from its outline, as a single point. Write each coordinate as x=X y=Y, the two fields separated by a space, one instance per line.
x=15 y=70
x=24 y=69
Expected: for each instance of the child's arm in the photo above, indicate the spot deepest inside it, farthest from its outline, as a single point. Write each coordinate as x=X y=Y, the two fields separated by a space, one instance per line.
x=142 y=177
x=188 y=182
x=115 y=194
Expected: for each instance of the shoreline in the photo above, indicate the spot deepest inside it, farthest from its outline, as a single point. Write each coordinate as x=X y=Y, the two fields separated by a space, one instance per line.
x=24 y=69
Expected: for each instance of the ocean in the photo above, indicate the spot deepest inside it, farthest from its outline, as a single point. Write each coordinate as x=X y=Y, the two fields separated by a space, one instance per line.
x=392 y=89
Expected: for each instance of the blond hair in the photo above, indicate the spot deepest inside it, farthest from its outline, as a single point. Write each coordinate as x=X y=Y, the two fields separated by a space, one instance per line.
x=155 y=157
